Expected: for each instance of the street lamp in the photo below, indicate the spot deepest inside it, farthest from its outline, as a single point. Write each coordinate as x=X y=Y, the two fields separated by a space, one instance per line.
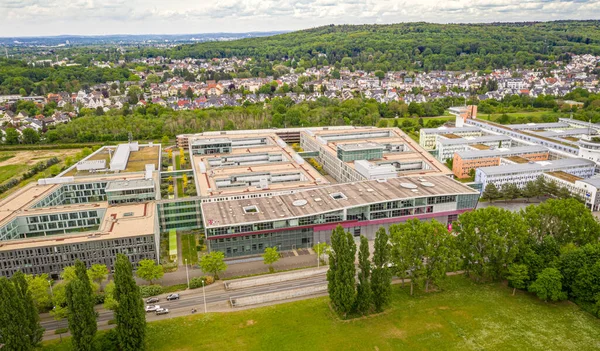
x=204 y=293
x=187 y=275
x=318 y=254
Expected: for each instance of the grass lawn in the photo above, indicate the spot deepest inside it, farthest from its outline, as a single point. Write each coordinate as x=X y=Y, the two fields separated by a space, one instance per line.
x=9 y=171
x=180 y=192
x=464 y=316
x=139 y=159
x=189 y=249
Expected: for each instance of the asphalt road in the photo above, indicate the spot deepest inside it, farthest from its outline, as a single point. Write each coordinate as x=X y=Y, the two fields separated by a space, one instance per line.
x=189 y=299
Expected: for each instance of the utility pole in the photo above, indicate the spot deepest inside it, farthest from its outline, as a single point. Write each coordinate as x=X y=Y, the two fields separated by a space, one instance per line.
x=187 y=274
x=204 y=294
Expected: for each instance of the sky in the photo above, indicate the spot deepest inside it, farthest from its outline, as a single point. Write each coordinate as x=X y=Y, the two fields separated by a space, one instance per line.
x=100 y=17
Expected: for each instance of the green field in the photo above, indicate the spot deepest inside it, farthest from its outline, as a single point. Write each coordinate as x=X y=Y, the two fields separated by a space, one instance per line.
x=464 y=316
x=9 y=171
x=189 y=249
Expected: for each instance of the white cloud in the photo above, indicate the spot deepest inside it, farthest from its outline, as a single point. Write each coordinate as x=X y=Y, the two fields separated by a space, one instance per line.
x=50 y=17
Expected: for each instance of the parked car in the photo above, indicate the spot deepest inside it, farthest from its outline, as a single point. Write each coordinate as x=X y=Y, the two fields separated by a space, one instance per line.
x=162 y=311
x=152 y=308
x=152 y=300
x=172 y=297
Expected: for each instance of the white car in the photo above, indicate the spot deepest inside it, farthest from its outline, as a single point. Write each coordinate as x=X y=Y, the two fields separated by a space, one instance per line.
x=160 y=311
x=152 y=308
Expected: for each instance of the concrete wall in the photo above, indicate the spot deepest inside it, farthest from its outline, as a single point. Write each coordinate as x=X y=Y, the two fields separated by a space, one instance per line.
x=320 y=288
x=273 y=278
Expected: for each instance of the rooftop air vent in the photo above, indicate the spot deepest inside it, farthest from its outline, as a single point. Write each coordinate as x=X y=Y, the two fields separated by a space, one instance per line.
x=427 y=184
x=338 y=196
x=408 y=185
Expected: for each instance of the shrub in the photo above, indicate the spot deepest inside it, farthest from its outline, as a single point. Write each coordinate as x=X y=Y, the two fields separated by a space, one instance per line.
x=112 y=321
x=196 y=282
x=61 y=331
x=150 y=290
x=99 y=298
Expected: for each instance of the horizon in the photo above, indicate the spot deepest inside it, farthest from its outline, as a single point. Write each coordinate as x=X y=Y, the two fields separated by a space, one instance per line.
x=35 y=18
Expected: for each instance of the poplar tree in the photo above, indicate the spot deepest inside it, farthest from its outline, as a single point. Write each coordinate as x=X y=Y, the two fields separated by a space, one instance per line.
x=129 y=312
x=363 y=290
x=342 y=290
x=81 y=314
x=381 y=279
x=30 y=314
x=13 y=324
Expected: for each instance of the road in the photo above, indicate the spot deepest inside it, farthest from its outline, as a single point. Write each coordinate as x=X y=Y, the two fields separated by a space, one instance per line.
x=216 y=295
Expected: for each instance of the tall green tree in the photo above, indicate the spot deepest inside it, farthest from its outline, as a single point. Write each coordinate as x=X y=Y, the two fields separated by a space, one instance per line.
x=149 y=270
x=407 y=241
x=98 y=273
x=213 y=263
x=31 y=317
x=517 y=276
x=381 y=278
x=11 y=137
x=489 y=240
x=491 y=193
x=129 y=313
x=364 y=294
x=567 y=220
x=340 y=275
x=440 y=254
x=14 y=334
x=81 y=314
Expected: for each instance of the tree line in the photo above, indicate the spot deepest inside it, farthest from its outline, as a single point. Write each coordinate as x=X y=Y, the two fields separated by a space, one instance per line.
x=551 y=249
x=535 y=188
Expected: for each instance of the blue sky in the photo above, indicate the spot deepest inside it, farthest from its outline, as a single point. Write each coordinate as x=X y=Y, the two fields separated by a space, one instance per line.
x=92 y=17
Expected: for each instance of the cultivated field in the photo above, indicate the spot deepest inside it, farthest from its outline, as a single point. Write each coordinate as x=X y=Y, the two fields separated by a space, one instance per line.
x=13 y=163
x=463 y=316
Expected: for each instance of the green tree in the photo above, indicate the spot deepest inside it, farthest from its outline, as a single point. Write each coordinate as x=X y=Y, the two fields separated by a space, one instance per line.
x=517 y=276
x=13 y=323
x=164 y=141
x=148 y=270
x=68 y=273
x=321 y=249
x=98 y=273
x=31 y=318
x=489 y=240
x=340 y=275
x=548 y=285
x=364 y=294
x=406 y=253
x=530 y=190
x=567 y=220
x=491 y=192
x=11 y=137
x=109 y=297
x=440 y=253
x=81 y=314
x=213 y=263
x=271 y=256
x=30 y=136
x=39 y=287
x=189 y=93
x=381 y=278
x=130 y=316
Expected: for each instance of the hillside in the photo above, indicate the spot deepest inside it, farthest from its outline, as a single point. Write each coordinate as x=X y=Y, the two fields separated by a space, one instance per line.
x=411 y=45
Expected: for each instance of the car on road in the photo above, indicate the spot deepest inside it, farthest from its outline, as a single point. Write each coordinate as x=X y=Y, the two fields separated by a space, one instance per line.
x=152 y=300
x=172 y=297
x=152 y=308
x=161 y=311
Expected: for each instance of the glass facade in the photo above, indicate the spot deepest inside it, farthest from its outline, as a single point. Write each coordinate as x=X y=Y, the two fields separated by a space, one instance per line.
x=255 y=244
x=361 y=154
x=181 y=215
x=68 y=194
x=129 y=196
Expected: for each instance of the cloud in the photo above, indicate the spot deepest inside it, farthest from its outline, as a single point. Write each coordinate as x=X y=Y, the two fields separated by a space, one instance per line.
x=46 y=17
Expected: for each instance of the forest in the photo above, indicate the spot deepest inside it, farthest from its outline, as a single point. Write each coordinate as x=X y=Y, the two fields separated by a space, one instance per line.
x=421 y=46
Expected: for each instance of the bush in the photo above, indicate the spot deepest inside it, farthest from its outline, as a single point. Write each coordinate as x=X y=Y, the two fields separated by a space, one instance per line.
x=99 y=298
x=196 y=282
x=150 y=290
x=61 y=331
x=112 y=321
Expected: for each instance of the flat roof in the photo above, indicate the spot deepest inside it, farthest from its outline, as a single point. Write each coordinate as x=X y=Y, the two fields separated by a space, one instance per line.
x=564 y=176
x=206 y=175
x=499 y=152
x=132 y=184
x=360 y=146
x=319 y=200
x=526 y=126
x=474 y=140
x=118 y=222
x=448 y=130
x=413 y=151
x=480 y=147
x=543 y=166
x=451 y=136
x=517 y=159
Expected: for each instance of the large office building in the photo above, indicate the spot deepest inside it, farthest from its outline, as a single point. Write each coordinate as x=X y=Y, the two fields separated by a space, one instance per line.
x=466 y=161
x=253 y=189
